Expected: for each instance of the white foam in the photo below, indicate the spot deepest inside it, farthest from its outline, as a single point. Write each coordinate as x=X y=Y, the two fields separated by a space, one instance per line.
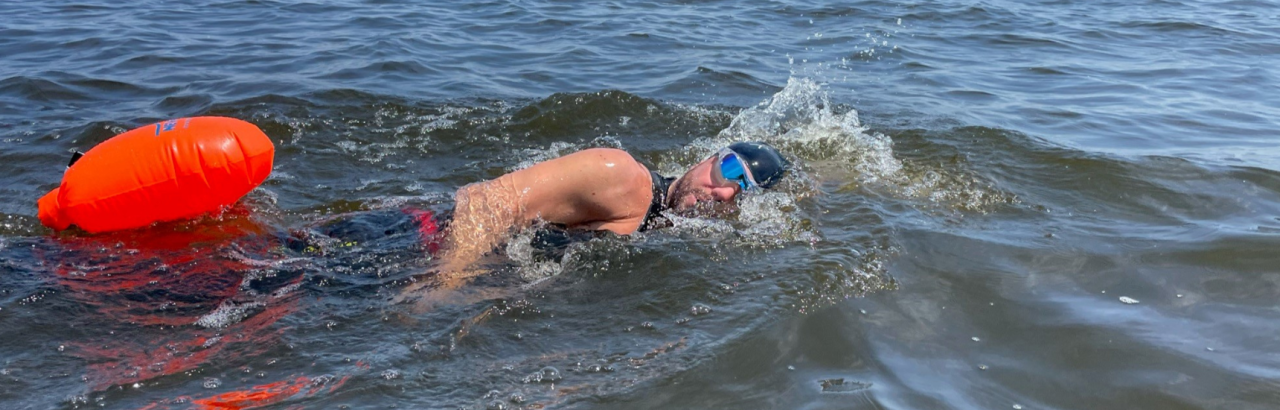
x=285 y=290
x=705 y=227
x=237 y=253
x=771 y=218
x=228 y=313
x=520 y=250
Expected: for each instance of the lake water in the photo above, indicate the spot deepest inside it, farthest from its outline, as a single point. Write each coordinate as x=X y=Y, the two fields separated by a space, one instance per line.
x=998 y=205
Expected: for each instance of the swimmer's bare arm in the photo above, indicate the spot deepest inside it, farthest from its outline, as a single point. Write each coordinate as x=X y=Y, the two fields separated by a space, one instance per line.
x=599 y=189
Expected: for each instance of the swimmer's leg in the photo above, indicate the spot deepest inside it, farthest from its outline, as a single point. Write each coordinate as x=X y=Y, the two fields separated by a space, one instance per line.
x=386 y=229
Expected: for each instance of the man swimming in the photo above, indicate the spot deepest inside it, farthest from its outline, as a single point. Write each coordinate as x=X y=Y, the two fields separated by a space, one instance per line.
x=598 y=189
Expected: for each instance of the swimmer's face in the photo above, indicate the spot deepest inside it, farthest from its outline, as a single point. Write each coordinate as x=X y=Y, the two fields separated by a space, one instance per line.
x=702 y=187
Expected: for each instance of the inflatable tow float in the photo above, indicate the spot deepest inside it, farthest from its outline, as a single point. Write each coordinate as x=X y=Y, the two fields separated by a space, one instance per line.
x=171 y=170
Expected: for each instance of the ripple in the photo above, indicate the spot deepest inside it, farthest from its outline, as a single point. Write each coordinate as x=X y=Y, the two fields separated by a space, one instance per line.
x=40 y=90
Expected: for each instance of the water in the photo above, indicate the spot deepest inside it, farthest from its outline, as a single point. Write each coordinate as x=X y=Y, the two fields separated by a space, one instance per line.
x=984 y=188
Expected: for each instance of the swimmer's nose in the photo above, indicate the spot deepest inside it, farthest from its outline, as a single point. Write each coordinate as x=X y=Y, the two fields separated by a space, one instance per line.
x=724 y=194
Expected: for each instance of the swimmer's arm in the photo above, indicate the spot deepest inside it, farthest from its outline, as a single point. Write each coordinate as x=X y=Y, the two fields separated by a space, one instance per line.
x=595 y=189
x=485 y=214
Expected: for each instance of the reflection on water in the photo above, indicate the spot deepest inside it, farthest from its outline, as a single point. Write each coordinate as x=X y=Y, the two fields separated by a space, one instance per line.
x=170 y=300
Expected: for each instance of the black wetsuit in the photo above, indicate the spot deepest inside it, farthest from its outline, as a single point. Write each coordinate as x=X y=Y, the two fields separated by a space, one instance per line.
x=653 y=218
x=551 y=241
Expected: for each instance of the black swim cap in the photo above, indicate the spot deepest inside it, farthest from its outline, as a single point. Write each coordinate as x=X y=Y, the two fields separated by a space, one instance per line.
x=765 y=163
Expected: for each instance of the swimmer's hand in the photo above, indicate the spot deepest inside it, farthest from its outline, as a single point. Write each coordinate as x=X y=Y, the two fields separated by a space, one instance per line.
x=441 y=290
x=425 y=299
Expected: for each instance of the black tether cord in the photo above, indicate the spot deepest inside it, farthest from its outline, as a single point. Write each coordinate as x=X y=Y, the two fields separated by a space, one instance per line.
x=75 y=156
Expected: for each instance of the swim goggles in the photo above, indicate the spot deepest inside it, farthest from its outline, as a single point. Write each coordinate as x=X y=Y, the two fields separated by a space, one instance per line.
x=733 y=168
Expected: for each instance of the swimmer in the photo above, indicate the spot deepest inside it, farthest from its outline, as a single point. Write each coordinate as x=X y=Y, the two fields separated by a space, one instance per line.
x=598 y=189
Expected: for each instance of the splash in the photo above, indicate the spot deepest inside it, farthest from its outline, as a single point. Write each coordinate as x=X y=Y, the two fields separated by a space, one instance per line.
x=772 y=219
x=834 y=146
x=529 y=265
x=834 y=154
x=801 y=121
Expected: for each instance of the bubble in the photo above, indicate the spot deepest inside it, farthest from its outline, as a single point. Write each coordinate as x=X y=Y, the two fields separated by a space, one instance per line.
x=211 y=383
x=391 y=374
x=976 y=339
x=1128 y=300
x=321 y=380
x=546 y=375
x=982 y=367
x=595 y=368
x=699 y=309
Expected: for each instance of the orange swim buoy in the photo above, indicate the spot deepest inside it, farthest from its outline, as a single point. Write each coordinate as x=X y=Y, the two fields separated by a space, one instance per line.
x=170 y=170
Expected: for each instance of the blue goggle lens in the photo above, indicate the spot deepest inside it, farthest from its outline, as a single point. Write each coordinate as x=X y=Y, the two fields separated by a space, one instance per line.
x=731 y=169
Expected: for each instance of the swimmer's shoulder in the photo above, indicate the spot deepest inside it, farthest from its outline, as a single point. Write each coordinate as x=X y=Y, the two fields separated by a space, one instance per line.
x=613 y=165
x=594 y=188
x=608 y=156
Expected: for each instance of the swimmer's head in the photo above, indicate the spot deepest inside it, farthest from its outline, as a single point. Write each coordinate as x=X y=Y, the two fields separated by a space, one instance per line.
x=742 y=166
